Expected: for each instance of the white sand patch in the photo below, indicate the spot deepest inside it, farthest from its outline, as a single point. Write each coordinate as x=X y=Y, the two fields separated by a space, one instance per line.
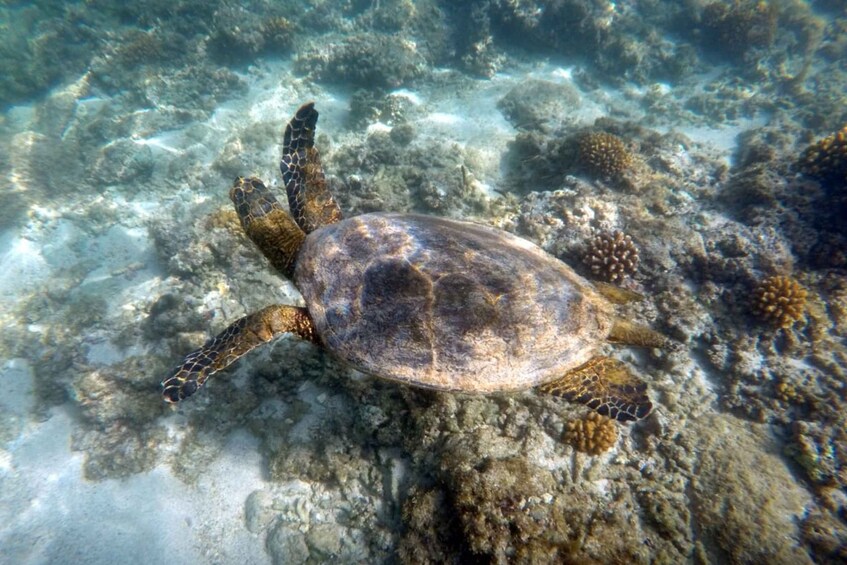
x=51 y=514
x=22 y=266
x=725 y=138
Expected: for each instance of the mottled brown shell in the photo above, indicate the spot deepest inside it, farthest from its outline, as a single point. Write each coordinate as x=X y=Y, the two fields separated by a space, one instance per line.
x=446 y=304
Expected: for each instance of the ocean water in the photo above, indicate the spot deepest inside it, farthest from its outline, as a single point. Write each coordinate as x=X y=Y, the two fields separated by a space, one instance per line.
x=706 y=132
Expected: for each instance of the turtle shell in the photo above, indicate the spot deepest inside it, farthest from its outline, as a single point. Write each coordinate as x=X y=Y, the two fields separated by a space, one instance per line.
x=447 y=304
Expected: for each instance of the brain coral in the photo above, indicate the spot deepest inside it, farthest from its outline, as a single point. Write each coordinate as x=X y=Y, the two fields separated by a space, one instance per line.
x=611 y=256
x=593 y=434
x=779 y=300
x=826 y=160
x=603 y=154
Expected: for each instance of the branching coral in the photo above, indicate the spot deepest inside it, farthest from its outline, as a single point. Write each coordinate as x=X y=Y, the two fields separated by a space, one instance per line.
x=603 y=154
x=779 y=300
x=826 y=160
x=593 y=434
x=612 y=256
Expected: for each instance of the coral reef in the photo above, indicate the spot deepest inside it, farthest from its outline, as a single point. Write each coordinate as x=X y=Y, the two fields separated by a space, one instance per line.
x=546 y=151
x=368 y=106
x=820 y=451
x=826 y=160
x=358 y=470
x=827 y=537
x=398 y=171
x=43 y=46
x=144 y=48
x=779 y=301
x=476 y=49
x=592 y=434
x=787 y=392
x=611 y=256
x=734 y=482
x=365 y=60
x=604 y=154
x=230 y=42
x=431 y=532
x=617 y=41
x=502 y=511
x=735 y=28
x=538 y=104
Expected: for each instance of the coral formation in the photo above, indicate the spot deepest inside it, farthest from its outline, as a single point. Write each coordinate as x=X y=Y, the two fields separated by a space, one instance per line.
x=229 y=42
x=499 y=507
x=41 y=48
x=734 y=29
x=611 y=256
x=475 y=49
x=827 y=537
x=367 y=107
x=431 y=531
x=826 y=160
x=365 y=60
x=406 y=176
x=779 y=300
x=734 y=481
x=141 y=48
x=604 y=154
x=592 y=434
x=278 y=32
x=787 y=392
x=819 y=450
x=538 y=104
x=358 y=471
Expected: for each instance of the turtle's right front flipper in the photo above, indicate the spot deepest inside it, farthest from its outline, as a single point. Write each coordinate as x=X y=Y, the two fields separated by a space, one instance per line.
x=236 y=340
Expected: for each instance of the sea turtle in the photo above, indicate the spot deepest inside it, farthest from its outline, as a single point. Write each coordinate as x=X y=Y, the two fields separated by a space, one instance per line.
x=427 y=301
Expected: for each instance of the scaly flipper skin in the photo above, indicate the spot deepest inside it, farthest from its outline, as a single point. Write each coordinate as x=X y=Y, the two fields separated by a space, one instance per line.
x=616 y=294
x=309 y=198
x=605 y=385
x=266 y=223
x=240 y=337
x=630 y=333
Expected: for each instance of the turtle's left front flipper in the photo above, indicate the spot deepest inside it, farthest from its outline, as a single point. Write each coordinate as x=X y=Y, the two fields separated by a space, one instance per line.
x=309 y=198
x=605 y=385
x=236 y=340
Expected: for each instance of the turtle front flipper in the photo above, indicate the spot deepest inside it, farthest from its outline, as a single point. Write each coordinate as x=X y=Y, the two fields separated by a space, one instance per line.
x=266 y=223
x=236 y=340
x=605 y=385
x=309 y=198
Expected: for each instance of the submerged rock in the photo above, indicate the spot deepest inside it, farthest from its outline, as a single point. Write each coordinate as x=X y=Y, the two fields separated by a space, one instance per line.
x=746 y=501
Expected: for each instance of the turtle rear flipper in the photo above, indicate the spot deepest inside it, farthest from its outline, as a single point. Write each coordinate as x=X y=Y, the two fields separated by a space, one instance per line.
x=631 y=333
x=237 y=339
x=309 y=198
x=605 y=385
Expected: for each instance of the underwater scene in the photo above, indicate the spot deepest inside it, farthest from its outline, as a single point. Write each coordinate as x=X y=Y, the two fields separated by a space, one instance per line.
x=439 y=281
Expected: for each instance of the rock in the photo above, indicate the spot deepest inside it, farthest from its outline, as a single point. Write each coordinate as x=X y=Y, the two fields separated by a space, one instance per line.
x=747 y=503
x=287 y=545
